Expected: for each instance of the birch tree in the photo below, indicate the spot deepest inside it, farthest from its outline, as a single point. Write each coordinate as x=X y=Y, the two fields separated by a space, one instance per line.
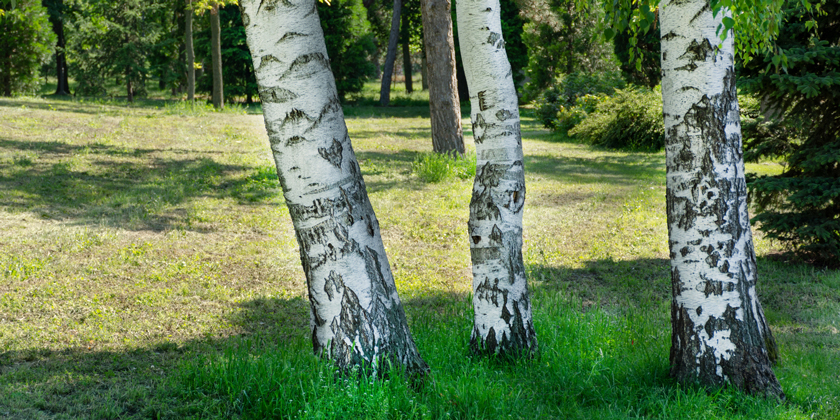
x=719 y=332
x=503 y=323
x=357 y=318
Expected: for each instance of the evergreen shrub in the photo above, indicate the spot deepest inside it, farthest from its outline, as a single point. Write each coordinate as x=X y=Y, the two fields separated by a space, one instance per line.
x=800 y=124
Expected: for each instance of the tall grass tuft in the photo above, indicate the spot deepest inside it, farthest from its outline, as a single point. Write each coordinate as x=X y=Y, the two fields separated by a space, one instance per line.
x=437 y=167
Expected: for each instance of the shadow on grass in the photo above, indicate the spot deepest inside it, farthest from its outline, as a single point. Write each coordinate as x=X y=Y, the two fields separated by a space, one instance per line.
x=597 y=358
x=625 y=170
x=131 y=188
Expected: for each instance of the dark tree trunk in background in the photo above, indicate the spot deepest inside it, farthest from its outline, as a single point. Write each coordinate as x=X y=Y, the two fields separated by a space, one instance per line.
x=444 y=105
x=390 y=56
x=406 y=53
x=424 y=71
x=56 y=13
x=216 y=53
x=129 y=90
x=188 y=45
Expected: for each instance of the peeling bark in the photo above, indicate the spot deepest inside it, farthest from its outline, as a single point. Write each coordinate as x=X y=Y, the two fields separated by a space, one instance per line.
x=357 y=318
x=503 y=323
x=719 y=333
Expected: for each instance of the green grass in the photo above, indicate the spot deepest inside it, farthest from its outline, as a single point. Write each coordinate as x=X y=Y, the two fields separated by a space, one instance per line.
x=148 y=269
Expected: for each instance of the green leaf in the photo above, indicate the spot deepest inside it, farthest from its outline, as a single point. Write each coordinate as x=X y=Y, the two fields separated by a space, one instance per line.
x=609 y=34
x=728 y=22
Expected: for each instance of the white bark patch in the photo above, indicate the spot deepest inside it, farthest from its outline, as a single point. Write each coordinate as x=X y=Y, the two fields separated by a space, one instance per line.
x=503 y=320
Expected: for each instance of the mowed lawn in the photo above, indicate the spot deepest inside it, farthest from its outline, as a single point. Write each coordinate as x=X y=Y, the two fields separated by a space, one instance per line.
x=149 y=269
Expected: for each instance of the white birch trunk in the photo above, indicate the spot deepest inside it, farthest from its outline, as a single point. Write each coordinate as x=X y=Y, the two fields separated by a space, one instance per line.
x=719 y=334
x=503 y=322
x=356 y=315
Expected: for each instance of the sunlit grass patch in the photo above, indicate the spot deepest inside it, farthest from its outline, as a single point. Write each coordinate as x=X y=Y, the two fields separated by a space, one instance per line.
x=437 y=167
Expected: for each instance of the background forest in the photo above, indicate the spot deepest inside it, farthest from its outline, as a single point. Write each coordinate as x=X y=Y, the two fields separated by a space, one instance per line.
x=150 y=270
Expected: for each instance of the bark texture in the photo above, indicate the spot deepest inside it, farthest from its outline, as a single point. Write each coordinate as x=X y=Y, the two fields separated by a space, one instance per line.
x=444 y=105
x=390 y=56
x=216 y=53
x=357 y=318
x=719 y=333
x=503 y=322
x=188 y=45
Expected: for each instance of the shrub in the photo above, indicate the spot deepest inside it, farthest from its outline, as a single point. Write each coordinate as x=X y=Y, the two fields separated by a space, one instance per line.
x=569 y=88
x=630 y=119
x=436 y=167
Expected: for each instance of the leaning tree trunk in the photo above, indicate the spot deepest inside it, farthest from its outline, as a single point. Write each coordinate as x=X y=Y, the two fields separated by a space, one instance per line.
x=719 y=333
x=356 y=314
x=390 y=56
x=503 y=323
x=188 y=45
x=216 y=53
x=444 y=105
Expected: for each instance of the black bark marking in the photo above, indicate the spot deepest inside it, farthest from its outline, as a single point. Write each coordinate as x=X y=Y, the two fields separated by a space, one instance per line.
x=276 y=95
x=246 y=20
x=481 y=204
x=669 y=36
x=267 y=60
x=270 y=5
x=332 y=154
x=688 y=67
x=299 y=65
x=496 y=235
x=291 y=141
x=483 y=101
x=503 y=114
x=333 y=285
x=332 y=106
x=698 y=51
x=495 y=39
x=479 y=124
x=476 y=239
x=288 y=36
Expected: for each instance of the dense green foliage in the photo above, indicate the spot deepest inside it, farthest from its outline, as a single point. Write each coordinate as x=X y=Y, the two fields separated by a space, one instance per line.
x=562 y=37
x=350 y=43
x=801 y=125
x=26 y=41
x=113 y=40
x=647 y=56
x=630 y=119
